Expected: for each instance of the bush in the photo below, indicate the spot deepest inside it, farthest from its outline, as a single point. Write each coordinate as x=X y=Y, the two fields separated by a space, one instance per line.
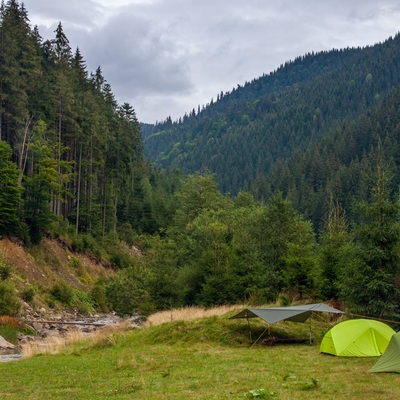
x=82 y=301
x=28 y=294
x=74 y=262
x=5 y=270
x=67 y=295
x=77 y=243
x=126 y=295
x=119 y=259
x=9 y=304
x=62 y=292
x=88 y=244
x=99 y=295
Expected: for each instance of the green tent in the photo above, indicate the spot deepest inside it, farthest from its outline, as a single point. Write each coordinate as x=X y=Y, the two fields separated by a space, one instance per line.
x=357 y=338
x=390 y=360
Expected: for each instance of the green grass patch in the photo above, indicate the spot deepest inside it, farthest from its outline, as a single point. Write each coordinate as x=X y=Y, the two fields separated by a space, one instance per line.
x=9 y=333
x=209 y=358
x=10 y=327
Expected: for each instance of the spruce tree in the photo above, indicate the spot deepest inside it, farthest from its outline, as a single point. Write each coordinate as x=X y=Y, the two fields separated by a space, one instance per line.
x=372 y=285
x=10 y=192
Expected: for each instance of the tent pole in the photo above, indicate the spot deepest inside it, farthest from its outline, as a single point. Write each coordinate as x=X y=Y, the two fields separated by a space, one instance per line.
x=310 y=329
x=248 y=323
x=260 y=336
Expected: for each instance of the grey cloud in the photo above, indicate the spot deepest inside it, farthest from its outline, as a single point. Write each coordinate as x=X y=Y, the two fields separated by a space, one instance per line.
x=167 y=56
x=138 y=57
x=84 y=14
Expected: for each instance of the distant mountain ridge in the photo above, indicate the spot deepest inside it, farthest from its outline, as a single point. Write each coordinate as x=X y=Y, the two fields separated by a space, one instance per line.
x=247 y=133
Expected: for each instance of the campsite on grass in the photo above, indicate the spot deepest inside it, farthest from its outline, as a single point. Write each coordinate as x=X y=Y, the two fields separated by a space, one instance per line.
x=358 y=337
x=199 y=356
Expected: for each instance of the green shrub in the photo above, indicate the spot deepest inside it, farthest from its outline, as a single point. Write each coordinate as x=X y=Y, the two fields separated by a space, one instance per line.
x=9 y=304
x=82 y=301
x=5 y=270
x=62 y=292
x=67 y=295
x=126 y=294
x=127 y=233
x=28 y=294
x=50 y=301
x=74 y=262
x=119 y=259
x=80 y=270
x=77 y=243
x=99 y=296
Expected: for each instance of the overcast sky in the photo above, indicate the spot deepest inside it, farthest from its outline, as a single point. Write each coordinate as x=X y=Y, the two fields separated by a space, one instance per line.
x=166 y=57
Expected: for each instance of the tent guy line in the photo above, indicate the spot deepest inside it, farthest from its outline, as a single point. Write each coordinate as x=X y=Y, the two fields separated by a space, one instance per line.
x=389 y=321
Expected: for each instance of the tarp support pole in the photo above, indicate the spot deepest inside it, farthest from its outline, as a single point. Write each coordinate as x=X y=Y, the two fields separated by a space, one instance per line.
x=310 y=330
x=248 y=323
x=260 y=336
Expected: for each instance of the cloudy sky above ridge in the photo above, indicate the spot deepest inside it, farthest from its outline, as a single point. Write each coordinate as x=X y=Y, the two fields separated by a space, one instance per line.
x=166 y=57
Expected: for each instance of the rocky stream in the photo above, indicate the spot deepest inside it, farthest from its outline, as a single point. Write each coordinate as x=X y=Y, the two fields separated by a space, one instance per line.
x=43 y=329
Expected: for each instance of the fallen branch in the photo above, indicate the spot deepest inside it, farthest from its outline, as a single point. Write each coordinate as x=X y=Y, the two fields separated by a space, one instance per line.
x=68 y=323
x=270 y=341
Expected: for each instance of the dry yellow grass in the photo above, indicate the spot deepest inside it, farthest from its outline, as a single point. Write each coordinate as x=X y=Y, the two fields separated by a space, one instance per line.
x=188 y=314
x=9 y=321
x=54 y=344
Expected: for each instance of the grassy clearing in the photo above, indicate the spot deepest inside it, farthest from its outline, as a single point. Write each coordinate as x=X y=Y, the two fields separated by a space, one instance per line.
x=208 y=358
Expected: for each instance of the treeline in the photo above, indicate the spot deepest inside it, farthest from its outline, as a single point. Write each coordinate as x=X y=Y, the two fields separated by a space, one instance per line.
x=69 y=152
x=219 y=250
x=245 y=133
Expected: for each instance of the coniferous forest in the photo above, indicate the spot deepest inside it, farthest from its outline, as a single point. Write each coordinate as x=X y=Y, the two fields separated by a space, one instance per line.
x=285 y=188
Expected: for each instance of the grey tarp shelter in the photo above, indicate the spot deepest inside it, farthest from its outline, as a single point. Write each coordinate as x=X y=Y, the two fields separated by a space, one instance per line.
x=293 y=313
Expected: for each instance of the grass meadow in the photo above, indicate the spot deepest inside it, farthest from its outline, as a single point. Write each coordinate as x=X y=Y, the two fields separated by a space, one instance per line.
x=206 y=357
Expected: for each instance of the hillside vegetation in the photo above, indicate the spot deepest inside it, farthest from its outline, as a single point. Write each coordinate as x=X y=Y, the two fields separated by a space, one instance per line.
x=37 y=271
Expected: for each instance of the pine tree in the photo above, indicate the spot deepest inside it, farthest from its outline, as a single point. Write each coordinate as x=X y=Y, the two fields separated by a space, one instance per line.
x=336 y=253
x=10 y=192
x=372 y=287
x=19 y=74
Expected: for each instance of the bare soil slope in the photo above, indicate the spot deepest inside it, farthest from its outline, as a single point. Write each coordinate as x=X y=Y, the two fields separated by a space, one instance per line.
x=49 y=263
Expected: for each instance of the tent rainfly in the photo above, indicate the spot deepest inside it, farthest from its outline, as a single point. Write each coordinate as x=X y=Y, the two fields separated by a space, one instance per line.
x=293 y=313
x=390 y=359
x=357 y=338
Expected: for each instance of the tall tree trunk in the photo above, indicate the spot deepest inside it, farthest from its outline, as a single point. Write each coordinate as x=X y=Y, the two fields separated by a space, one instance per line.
x=78 y=194
x=23 y=149
x=90 y=178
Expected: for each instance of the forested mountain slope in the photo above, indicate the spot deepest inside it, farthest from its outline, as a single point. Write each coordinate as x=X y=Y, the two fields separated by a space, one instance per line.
x=342 y=166
x=245 y=133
